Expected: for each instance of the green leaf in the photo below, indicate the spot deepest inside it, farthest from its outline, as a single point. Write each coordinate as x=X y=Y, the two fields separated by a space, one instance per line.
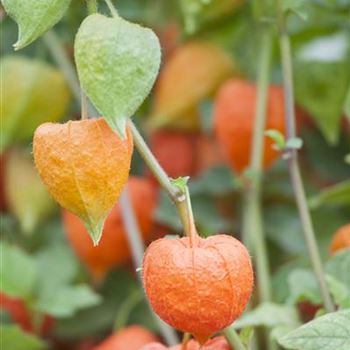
x=17 y=272
x=320 y=89
x=12 y=337
x=327 y=162
x=333 y=4
x=35 y=93
x=246 y=335
x=34 y=17
x=117 y=62
x=215 y=181
x=23 y=184
x=303 y=286
x=339 y=291
x=56 y=266
x=280 y=279
x=284 y=218
x=294 y=143
x=296 y=6
x=93 y=321
x=339 y=266
x=268 y=315
x=198 y=13
x=328 y=332
x=346 y=108
x=181 y=183
x=208 y=218
x=65 y=301
x=338 y=194
x=278 y=137
x=347 y=159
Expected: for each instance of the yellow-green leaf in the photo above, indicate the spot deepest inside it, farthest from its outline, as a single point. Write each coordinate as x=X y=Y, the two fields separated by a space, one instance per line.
x=26 y=195
x=35 y=93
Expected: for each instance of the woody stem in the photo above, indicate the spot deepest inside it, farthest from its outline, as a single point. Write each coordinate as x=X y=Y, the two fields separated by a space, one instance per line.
x=293 y=164
x=181 y=198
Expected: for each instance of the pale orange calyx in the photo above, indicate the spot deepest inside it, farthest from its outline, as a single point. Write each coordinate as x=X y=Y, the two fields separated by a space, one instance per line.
x=234 y=118
x=194 y=71
x=217 y=343
x=131 y=338
x=341 y=239
x=199 y=288
x=85 y=166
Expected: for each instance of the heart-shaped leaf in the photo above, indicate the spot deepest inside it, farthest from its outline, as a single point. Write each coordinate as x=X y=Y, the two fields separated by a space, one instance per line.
x=35 y=93
x=34 y=17
x=118 y=62
x=23 y=187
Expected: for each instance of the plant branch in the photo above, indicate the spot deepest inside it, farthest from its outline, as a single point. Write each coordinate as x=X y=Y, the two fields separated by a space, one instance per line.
x=293 y=165
x=233 y=338
x=185 y=212
x=91 y=6
x=253 y=232
x=111 y=8
x=137 y=248
x=53 y=43
x=180 y=197
x=174 y=192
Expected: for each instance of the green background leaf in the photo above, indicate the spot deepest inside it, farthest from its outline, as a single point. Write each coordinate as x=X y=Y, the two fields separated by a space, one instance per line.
x=34 y=17
x=338 y=194
x=320 y=89
x=66 y=301
x=17 y=271
x=268 y=315
x=13 y=338
x=328 y=332
x=35 y=93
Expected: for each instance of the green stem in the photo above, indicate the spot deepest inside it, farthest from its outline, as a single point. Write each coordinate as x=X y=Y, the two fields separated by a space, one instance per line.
x=133 y=234
x=112 y=8
x=185 y=339
x=57 y=51
x=174 y=192
x=53 y=43
x=253 y=226
x=253 y=232
x=180 y=198
x=293 y=164
x=184 y=208
x=91 y=6
x=233 y=339
x=126 y=308
x=84 y=111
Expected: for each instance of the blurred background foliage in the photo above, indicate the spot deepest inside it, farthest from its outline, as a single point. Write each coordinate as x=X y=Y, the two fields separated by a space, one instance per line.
x=39 y=266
